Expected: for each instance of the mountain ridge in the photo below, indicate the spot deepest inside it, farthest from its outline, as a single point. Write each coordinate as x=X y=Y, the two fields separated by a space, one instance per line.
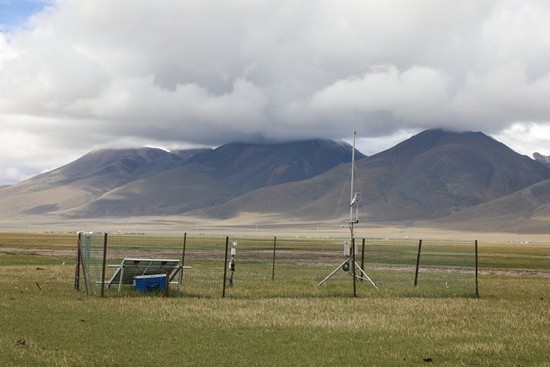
x=431 y=175
x=146 y=181
x=434 y=175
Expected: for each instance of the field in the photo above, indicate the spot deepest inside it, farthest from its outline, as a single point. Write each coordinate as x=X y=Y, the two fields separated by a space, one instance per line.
x=44 y=322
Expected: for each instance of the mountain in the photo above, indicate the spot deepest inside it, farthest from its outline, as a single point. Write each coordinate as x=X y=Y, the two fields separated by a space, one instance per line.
x=544 y=159
x=437 y=173
x=151 y=181
x=528 y=209
x=244 y=167
x=436 y=176
x=84 y=180
x=431 y=175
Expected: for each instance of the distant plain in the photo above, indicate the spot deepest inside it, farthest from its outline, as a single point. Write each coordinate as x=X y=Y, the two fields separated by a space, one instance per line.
x=267 y=224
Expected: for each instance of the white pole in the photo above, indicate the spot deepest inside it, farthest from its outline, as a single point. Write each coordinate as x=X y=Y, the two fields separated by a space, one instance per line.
x=351 y=190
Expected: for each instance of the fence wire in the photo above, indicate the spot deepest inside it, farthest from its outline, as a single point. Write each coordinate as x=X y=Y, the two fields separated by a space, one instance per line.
x=274 y=266
x=90 y=254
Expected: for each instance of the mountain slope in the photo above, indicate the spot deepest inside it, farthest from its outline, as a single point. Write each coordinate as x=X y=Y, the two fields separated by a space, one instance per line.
x=86 y=179
x=431 y=175
x=155 y=182
x=526 y=210
x=215 y=176
x=437 y=173
x=244 y=167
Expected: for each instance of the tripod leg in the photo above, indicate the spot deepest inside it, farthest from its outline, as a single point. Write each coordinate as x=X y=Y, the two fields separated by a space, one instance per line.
x=366 y=276
x=331 y=274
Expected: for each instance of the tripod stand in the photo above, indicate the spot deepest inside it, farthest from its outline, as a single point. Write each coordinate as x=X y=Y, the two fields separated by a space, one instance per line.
x=349 y=264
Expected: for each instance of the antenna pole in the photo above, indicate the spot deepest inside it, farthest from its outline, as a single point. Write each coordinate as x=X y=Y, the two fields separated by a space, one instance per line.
x=349 y=265
x=351 y=219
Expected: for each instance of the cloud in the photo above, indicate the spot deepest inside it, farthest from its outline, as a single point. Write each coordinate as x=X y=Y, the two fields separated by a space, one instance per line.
x=79 y=75
x=13 y=174
x=526 y=138
x=418 y=95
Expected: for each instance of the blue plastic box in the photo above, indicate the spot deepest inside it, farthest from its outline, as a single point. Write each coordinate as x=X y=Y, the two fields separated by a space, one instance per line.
x=147 y=283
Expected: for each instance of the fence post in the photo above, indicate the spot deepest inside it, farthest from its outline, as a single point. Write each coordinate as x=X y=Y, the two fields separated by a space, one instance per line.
x=274 y=250
x=477 y=279
x=225 y=265
x=104 y=266
x=363 y=256
x=78 y=260
x=417 y=262
x=353 y=265
x=84 y=271
x=183 y=249
x=167 y=285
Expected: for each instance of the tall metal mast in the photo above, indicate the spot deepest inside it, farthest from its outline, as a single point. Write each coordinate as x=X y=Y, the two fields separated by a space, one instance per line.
x=349 y=264
x=353 y=198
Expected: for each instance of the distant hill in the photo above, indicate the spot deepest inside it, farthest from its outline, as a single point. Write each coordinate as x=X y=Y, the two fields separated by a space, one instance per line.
x=527 y=209
x=244 y=167
x=438 y=173
x=439 y=176
x=151 y=181
x=83 y=181
x=544 y=159
x=431 y=175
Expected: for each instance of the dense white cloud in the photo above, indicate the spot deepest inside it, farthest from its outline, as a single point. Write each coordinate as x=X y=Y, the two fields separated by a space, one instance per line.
x=84 y=74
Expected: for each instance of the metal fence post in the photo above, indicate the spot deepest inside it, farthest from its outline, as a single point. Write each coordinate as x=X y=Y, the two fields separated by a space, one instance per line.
x=363 y=256
x=78 y=261
x=183 y=249
x=274 y=251
x=104 y=265
x=225 y=265
x=353 y=265
x=84 y=271
x=477 y=278
x=417 y=262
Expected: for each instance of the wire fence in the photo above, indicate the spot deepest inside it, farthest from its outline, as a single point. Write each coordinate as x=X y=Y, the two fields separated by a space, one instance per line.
x=203 y=265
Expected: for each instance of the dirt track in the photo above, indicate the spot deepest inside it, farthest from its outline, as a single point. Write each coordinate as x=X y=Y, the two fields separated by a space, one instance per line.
x=40 y=251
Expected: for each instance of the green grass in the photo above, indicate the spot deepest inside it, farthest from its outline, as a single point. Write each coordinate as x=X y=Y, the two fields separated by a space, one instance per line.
x=520 y=256
x=38 y=240
x=447 y=267
x=50 y=324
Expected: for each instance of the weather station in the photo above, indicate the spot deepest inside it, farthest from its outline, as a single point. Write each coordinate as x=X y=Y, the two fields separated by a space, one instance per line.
x=350 y=247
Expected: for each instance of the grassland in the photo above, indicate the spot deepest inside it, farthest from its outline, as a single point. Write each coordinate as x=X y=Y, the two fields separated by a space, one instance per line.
x=44 y=322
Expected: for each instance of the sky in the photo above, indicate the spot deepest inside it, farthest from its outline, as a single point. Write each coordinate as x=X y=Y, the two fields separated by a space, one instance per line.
x=79 y=75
